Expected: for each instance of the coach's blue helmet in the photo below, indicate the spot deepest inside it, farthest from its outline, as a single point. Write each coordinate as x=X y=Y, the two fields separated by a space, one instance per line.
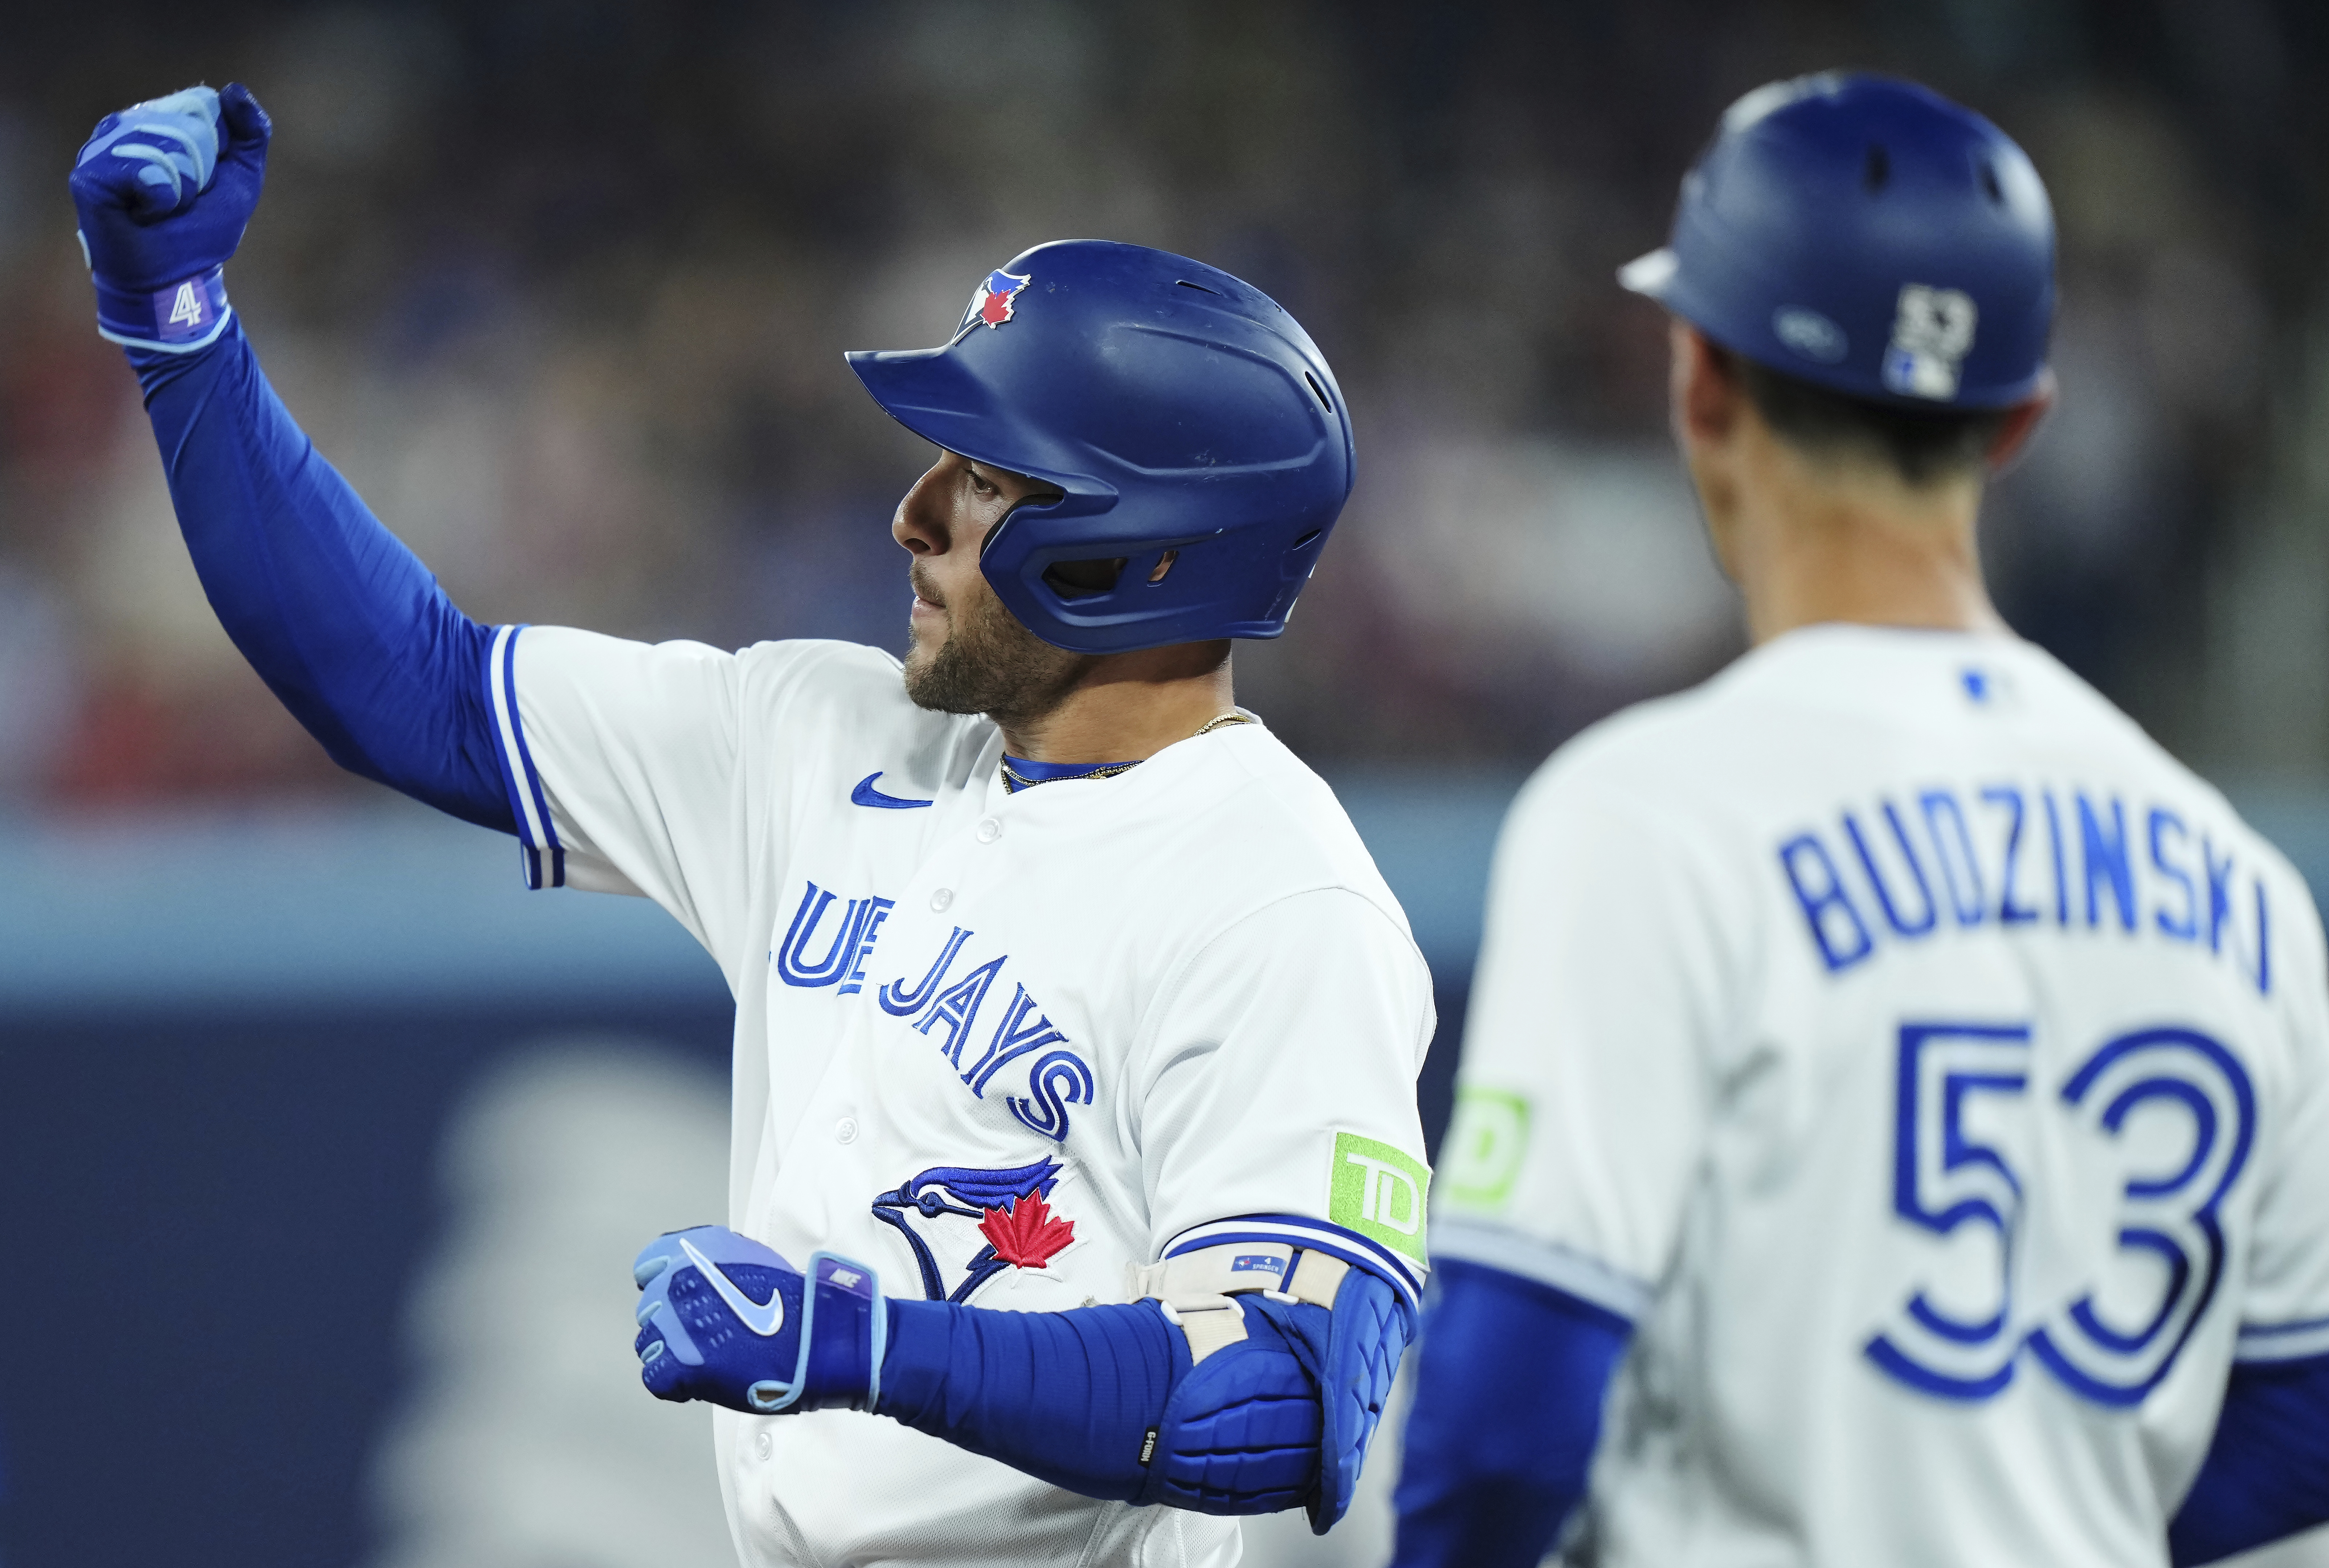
x=1868 y=235
x=1179 y=409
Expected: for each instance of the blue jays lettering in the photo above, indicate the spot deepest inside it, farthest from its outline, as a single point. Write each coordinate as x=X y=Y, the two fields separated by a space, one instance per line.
x=947 y=1008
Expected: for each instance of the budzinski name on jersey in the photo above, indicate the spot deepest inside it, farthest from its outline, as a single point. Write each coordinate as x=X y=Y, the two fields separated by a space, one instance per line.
x=2019 y=857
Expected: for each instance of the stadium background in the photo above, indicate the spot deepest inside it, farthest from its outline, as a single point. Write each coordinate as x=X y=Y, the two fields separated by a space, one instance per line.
x=322 y=1146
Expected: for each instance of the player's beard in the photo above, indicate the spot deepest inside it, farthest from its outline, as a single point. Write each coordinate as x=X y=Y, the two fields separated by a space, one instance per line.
x=989 y=663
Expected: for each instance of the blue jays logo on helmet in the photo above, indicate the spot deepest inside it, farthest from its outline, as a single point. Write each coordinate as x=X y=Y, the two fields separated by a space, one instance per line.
x=992 y=303
x=966 y=1224
x=1195 y=435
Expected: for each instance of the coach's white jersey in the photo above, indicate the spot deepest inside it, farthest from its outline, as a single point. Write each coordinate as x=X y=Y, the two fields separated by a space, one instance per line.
x=997 y=1047
x=1937 y=1073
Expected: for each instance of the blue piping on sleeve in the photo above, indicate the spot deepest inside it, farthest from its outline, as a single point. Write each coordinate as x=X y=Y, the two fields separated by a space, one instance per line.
x=544 y=857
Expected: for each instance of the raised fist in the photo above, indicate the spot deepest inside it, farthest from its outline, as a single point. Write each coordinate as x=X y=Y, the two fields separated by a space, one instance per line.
x=164 y=190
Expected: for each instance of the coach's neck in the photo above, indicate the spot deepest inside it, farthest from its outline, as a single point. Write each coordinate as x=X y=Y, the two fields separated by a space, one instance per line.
x=1817 y=537
x=1128 y=707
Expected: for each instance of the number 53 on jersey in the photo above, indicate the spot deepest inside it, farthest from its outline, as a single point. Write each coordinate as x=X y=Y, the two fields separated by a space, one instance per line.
x=2122 y=1167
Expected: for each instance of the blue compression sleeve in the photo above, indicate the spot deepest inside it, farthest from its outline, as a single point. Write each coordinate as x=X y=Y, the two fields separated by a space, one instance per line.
x=1507 y=1411
x=2266 y=1475
x=336 y=615
x=1069 y=1397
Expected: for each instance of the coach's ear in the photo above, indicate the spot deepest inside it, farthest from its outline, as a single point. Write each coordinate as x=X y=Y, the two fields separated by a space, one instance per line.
x=1706 y=397
x=2022 y=422
x=1709 y=409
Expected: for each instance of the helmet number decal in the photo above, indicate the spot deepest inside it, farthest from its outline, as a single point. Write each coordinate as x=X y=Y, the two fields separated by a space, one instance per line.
x=1932 y=332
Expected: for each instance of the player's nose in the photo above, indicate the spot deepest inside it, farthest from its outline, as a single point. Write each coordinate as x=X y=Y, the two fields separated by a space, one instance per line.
x=920 y=524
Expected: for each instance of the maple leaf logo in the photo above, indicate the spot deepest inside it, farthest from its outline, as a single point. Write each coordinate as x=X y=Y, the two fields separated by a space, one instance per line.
x=1002 y=289
x=1026 y=1235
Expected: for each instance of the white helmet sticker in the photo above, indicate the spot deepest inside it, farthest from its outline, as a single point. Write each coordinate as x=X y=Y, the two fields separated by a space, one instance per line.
x=1810 y=334
x=1932 y=332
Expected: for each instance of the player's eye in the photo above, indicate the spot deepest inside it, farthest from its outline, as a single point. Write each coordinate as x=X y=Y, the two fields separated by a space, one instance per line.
x=980 y=487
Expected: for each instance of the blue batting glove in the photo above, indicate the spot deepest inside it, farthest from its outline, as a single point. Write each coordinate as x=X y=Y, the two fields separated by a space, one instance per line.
x=164 y=190
x=724 y=1318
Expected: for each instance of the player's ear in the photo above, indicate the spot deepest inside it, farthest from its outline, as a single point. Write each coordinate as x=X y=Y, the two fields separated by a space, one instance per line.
x=2021 y=423
x=1705 y=392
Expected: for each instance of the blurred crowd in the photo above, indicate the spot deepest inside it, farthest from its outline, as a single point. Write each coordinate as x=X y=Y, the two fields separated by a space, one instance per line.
x=564 y=289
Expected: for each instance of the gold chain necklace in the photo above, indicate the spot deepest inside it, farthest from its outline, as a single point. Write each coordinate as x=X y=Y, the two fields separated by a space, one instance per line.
x=1014 y=781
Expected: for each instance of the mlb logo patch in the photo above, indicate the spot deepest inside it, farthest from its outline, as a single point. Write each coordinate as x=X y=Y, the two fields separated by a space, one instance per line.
x=995 y=300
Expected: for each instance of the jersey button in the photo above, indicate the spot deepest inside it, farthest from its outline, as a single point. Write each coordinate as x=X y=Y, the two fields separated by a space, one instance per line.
x=940 y=900
x=845 y=1130
x=763 y=1444
x=988 y=830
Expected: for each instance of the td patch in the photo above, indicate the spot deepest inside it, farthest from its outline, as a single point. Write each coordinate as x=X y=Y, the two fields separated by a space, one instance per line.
x=1378 y=1190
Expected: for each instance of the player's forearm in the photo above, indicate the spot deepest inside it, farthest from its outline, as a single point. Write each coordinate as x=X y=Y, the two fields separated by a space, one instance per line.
x=2266 y=1475
x=1249 y=1400
x=1510 y=1381
x=1069 y=1397
x=339 y=618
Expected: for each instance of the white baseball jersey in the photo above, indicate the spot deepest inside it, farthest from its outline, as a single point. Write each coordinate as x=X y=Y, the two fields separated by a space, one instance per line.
x=1935 y=1070
x=1000 y=1047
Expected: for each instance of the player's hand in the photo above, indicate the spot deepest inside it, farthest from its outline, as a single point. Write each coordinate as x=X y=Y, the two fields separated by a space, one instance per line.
x=164 y=190
x=726 y=1320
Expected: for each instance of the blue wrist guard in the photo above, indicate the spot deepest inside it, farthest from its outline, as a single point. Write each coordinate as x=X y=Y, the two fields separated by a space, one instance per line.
x=175 y=318
x=726 y=1320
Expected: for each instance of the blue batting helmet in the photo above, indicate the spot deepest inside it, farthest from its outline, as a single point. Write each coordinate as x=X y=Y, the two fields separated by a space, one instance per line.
x=1868 y=235
x=1192 y=425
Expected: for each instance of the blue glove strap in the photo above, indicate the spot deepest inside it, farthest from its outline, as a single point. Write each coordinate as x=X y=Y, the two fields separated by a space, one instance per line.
x=177 y=318
x=844 y=1332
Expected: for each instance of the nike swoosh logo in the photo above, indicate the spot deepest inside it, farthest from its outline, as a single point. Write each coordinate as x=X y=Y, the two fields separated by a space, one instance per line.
x=866 y=795
x=761 y=1321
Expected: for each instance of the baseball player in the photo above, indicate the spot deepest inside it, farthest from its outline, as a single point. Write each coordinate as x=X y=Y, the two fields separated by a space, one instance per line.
x=1076 y=1164
x=1895 y=1081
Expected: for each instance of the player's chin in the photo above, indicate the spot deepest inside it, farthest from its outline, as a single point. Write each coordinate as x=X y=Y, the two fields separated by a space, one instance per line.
x=923 y=645
x=933 y=680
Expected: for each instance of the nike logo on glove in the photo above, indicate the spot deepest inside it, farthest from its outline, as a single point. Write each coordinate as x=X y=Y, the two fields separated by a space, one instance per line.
x=866 y=795
x=761 y=1321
